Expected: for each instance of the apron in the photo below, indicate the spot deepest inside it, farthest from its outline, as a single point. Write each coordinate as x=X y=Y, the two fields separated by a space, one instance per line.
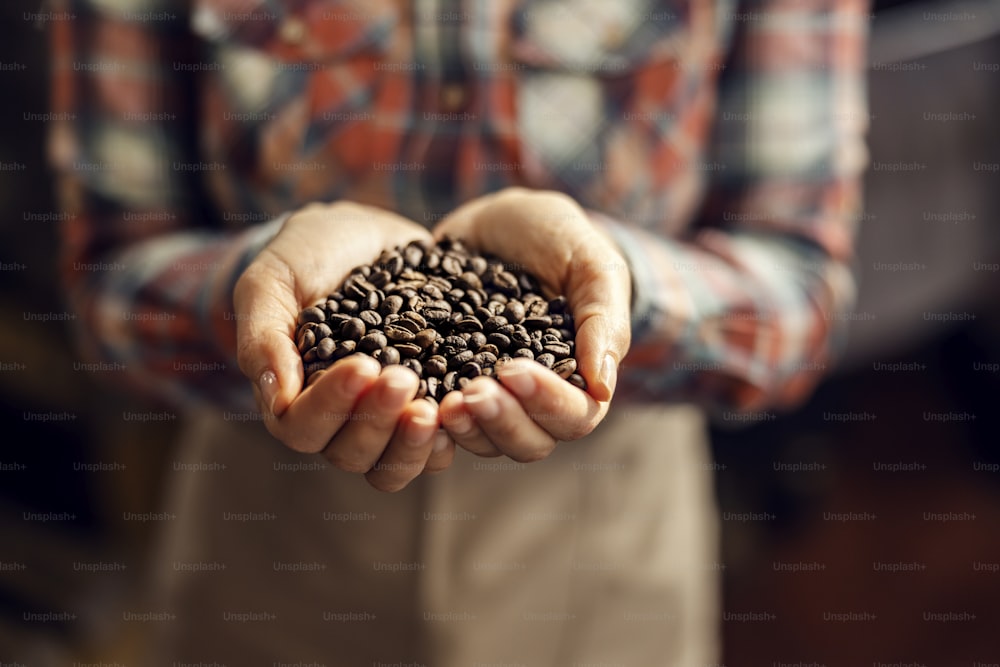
x=602 y=554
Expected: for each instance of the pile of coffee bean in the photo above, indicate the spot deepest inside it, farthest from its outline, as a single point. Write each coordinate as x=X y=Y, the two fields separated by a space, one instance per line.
x=447 y=313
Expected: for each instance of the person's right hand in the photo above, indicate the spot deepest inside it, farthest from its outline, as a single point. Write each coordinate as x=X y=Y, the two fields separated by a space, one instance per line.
x=362 y=418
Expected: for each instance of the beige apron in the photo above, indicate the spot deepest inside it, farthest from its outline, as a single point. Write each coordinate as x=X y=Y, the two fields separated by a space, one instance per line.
x=602 y=554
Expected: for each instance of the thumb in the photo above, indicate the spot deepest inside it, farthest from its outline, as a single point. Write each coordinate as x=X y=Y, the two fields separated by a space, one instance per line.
x=266 y=311
x=599 y=290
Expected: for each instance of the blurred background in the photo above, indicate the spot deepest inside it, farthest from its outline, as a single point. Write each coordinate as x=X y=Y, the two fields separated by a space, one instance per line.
x=875 y=533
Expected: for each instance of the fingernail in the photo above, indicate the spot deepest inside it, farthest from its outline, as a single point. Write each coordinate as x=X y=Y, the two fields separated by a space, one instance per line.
x=417 y=433
x=482 y=406
x=609 y=373
x=518 y=380
x=441 y=441
x=357 y=380
x=268 y=386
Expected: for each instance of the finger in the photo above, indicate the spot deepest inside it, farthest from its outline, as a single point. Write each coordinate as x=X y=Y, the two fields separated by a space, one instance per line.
x=503 y=421
x=323 y=408
x=599 y=291
x=554 y=405
x=462 y=427
x=370 y=427
x=408 y=450
x=442 y=453
x=266 y=309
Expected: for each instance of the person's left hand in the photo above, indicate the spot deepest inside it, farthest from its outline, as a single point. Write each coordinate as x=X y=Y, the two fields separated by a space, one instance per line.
x=532 y=408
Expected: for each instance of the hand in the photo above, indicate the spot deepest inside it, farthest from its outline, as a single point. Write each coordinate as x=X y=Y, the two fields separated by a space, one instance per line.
x=361 y=417
x=532 y=408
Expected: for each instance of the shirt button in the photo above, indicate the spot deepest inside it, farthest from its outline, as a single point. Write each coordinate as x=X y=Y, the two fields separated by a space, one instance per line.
x=292 y=30
x=453 y=96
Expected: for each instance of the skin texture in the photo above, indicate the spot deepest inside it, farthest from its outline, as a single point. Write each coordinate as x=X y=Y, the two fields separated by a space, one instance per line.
x=363 y=418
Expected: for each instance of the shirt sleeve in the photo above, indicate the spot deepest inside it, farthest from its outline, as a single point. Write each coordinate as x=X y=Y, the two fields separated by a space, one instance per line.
x=743 y=313
x=148 y=267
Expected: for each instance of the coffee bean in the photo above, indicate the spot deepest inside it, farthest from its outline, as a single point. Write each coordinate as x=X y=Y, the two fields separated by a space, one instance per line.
x=344 y=349
x=388 y=356
x=546 y=359
x=501 y=341
x=469 y=280
x=577 y=381
x=372 y=300
x=432 y=386
x=408 y=349
x=398 y=333
x=514 y=311
x=353 y=329
x=565 y=367
x=391 y=304
x=525 y=352
x=413 y=254
x=560 y=350
x=370 y=342
x=469 y=324
x=371 y=318
x=494 y=323
x=460 y=359
x=425 y=337
x=414 y=366
x=449 y=381
x=538 y=322
x=306 y=340
x=349 y=306
x=436 y=366
x=485 y=359
x=325 y=348
x=421 y=388
x=380 y=278
x=312 y=314
x=311 y=354
x=451 y=265
x=476 y=340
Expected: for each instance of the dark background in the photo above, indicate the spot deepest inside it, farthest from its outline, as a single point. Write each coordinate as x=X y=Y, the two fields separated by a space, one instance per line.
x=820 y=583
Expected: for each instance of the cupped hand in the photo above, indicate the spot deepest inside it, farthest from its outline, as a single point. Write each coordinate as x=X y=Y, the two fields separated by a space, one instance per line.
x=532 y=408
x=363 y=418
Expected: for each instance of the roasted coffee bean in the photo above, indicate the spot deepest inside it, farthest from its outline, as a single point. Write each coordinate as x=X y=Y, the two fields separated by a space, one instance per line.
x=456 y=342
x=525 y=352
x=331 y=306
x=380 y=278
x=388 y=356
x=464 y=308
x=469 y=324
x=506 y=282
x=371 y=318
x=425 y=338
x=306 y=340
x=514 y=311
x=494 y=323
x=501 y=341
x=414 y=366
x=577 y=381
x=451 y=265
x=353 y=329
x=413 y=254
x=322 y=331
x=343 y=349
x=490 y=348
x=560 y=350
x=463 y=382
x=433 y=384
x=485 y=359
x=421 y=388
x=469 y=280
x=408 y=349
x=325 y=348
x=398 y=333
x=312 y=314
x=436 y=366
x=372 y=300
x=449 y=381
x=458 y=360
x=547 y=359
x=538 y=322
x=476 y=340
x=416 y=318
x=370 y=342
x=565 y=367
x=475 y=298
x=349 y=306
x=391 y=304
x=312 y=354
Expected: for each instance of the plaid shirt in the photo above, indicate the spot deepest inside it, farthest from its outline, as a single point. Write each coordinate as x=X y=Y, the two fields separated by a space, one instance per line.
x=720 y=143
